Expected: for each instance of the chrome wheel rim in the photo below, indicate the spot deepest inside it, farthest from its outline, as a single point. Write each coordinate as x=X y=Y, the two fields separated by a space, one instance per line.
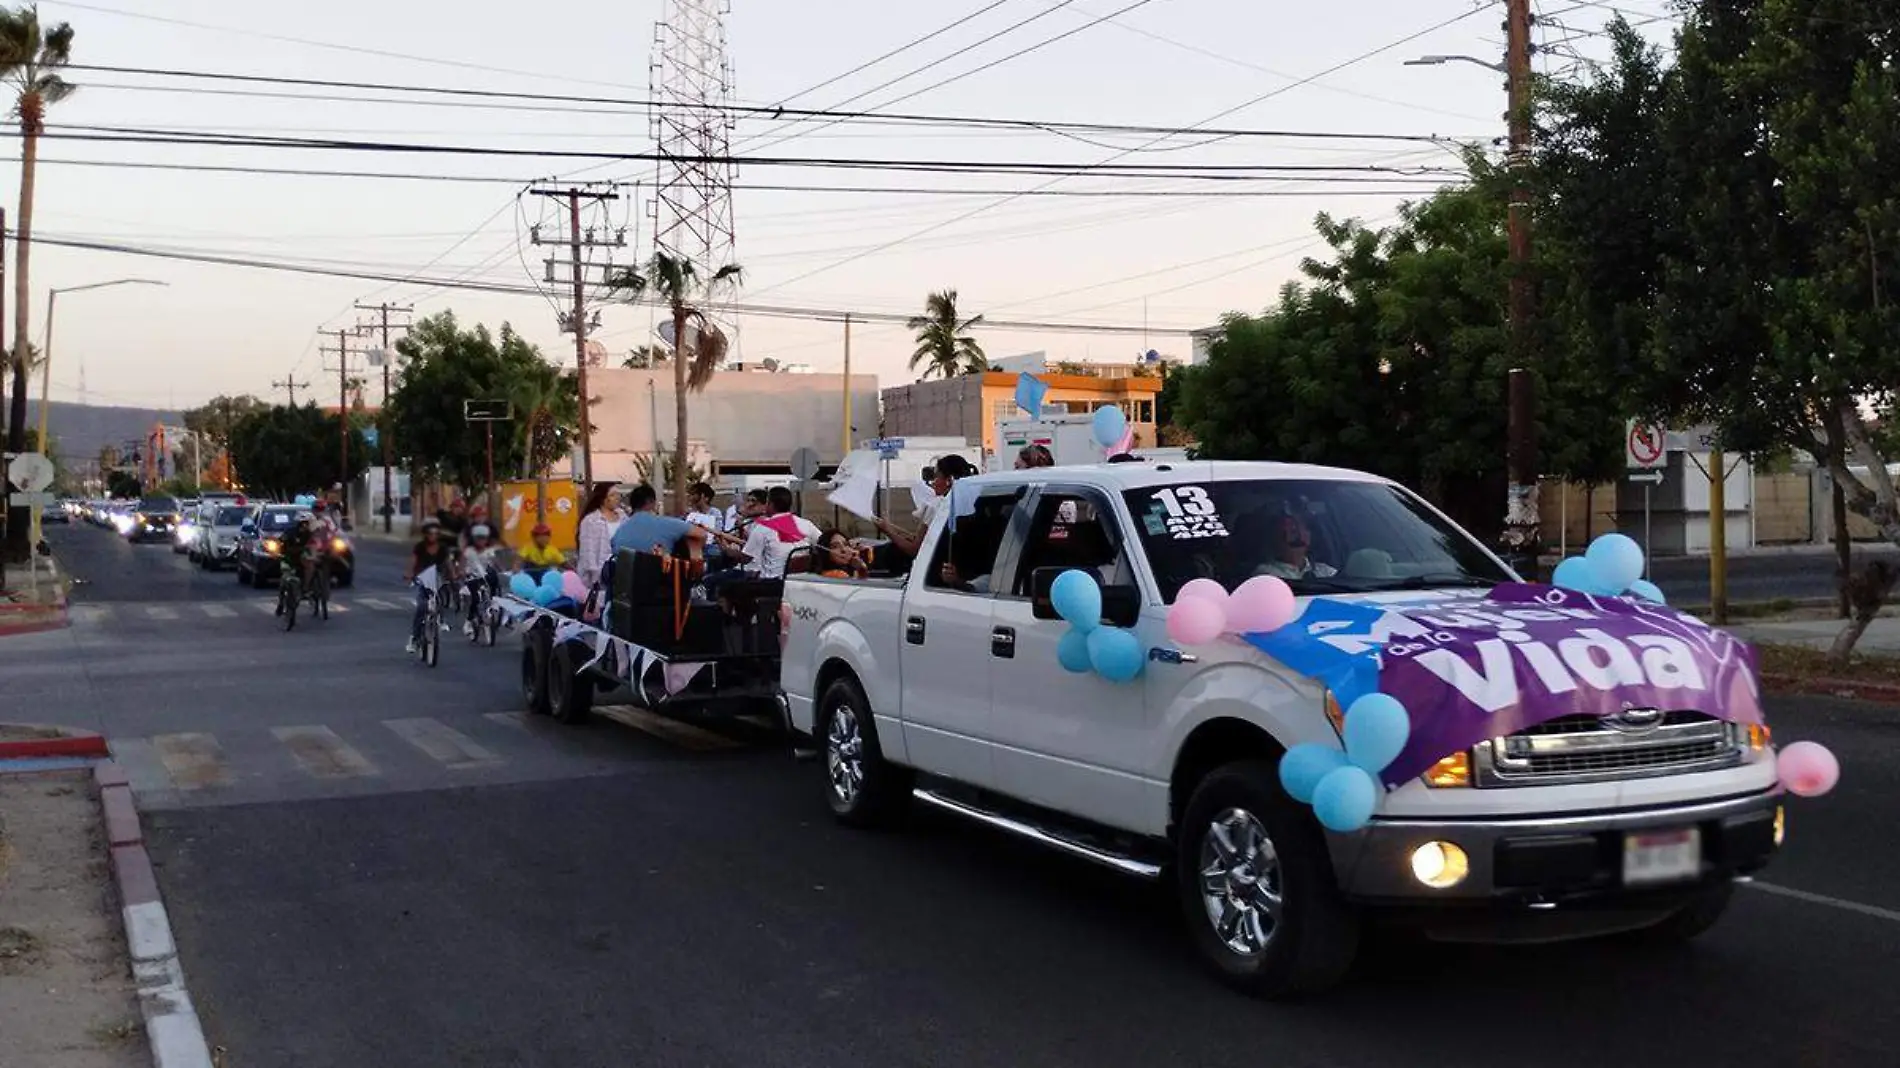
x=1240 y=882
x=844 y=754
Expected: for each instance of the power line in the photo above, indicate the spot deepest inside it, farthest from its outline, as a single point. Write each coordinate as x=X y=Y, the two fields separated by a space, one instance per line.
x=980 y=209
x=765 y=310
x=774 y=113
x=898 y=51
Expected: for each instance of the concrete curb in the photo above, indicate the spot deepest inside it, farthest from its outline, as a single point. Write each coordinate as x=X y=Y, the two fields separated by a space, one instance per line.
x=171 y=1022
x=1886 y=693
x=73 y=744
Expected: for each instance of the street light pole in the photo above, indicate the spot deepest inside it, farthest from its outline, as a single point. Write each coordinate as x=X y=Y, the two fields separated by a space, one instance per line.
x=46 y=359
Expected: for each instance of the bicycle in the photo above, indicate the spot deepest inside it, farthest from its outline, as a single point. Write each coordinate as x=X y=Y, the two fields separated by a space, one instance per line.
x=484 y=616
x=289 y=596
x=320 y=588
x=428 y=645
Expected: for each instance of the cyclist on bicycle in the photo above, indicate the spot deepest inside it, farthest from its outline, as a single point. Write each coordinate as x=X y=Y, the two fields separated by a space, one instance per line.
x=301 y=547
x=480 y=568
x=432 y=550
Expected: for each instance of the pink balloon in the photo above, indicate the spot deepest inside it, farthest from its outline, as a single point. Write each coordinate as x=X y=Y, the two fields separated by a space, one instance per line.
x=1195 y=620
x=572 y=586
x=1262 y=603
x=1203 y=589
x=1807 y=769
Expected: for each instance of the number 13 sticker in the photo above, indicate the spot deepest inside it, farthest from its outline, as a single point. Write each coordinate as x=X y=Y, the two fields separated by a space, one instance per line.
x=1190 y=513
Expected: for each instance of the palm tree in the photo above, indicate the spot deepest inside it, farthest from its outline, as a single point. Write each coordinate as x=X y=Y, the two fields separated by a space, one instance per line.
x=644 y=357
x=943 y=342
x=686 y=290
x=31 y=61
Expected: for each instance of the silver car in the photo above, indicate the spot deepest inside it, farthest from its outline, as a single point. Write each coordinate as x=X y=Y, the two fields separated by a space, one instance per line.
x=218 y=525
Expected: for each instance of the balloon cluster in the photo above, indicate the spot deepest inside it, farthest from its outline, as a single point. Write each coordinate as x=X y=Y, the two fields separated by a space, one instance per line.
x=1109 y=427
x=1204 y=610
x=553 y=586
x=305 y=500
x=1611 y=567
x=1343 y=786
x=1089 y=645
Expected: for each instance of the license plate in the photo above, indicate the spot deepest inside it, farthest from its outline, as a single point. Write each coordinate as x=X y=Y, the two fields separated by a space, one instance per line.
x=1651 y=857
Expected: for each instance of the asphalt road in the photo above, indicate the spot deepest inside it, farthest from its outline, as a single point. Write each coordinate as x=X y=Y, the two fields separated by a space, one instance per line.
x=1761 y=576
x=607 y=896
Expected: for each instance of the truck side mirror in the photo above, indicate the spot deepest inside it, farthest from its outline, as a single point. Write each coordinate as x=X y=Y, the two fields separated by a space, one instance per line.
x=1121 y=605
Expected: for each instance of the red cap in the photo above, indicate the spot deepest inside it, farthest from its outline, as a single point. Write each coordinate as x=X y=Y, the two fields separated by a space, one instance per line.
x=542 y=528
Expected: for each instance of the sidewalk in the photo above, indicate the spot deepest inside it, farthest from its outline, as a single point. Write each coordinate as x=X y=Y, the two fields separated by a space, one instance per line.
x=1882 y=637
x=34 y=598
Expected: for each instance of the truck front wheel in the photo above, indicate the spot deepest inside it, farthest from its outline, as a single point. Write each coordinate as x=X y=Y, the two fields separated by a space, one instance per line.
x=1256 y=884
x=863 y=789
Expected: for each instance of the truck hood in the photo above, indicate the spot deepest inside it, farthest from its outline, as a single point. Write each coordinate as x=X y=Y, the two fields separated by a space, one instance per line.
x=1471 y=665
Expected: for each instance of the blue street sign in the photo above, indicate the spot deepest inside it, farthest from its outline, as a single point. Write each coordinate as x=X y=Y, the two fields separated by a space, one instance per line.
x=888 y=448
x=371 y=435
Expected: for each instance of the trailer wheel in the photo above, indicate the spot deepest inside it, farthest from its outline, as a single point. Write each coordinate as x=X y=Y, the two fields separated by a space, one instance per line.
x=570 y=693
x=534 y=671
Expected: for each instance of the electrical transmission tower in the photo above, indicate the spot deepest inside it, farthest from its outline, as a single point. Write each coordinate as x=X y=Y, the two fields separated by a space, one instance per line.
x=691 y=83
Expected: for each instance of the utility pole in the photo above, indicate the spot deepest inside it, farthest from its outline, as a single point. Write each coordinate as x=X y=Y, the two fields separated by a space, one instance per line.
x=847 y=388
x=577 y=320
x=342 y=354
x=291 y=385
x=1522 y=540
x=382 y=414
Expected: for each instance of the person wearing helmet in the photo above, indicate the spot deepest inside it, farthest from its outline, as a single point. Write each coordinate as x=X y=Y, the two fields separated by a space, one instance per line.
x=299 y=540
x=479 y=570
x=542 y=555
x=431 y=550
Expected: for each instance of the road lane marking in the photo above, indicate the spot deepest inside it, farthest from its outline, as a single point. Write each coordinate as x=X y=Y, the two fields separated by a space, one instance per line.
x=441 y=742
x=378 y=603
x=218 y=611
x=324 y=755
x=338 y=609
x=506 y=719
x=684 y=735
x=160 y=612
x=195 y=761
x=1878 y=913
x=267 y=607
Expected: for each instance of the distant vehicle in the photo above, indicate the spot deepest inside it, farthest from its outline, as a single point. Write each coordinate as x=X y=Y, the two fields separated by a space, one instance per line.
x=215 y=534
x=154 y=517
x=118 y=516
x=260 y=543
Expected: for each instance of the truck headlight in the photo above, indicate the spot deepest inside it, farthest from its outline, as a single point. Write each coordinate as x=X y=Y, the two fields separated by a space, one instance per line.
x=271 y=545
x=1440 y=865
x=1454 y=770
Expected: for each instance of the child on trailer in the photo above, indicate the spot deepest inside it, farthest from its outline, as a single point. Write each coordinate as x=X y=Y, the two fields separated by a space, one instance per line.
x=541 y=555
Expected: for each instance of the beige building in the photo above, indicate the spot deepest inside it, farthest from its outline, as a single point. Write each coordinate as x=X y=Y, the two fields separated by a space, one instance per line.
x=744 y=421
x=970 y=406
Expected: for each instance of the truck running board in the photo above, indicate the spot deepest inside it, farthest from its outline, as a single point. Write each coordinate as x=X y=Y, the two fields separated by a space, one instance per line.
x=1125 y=864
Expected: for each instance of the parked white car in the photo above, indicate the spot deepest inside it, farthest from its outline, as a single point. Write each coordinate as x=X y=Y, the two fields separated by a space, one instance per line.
x=1599 y=814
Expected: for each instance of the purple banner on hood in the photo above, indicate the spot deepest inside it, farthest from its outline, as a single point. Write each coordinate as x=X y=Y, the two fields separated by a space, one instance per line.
x=1468 y=670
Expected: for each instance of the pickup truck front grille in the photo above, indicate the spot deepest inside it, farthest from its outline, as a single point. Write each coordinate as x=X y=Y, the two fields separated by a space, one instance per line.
x=1578 y=749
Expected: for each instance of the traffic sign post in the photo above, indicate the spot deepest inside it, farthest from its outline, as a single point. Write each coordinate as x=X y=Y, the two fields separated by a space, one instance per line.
x=1646 y=453
x=488 y=413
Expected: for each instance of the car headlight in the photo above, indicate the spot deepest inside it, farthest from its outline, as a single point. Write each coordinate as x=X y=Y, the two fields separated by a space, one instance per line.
x=271 y=545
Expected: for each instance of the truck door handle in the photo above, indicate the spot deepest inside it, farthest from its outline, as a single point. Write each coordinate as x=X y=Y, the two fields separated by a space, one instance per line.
x=1003 y=643
x=914 y=630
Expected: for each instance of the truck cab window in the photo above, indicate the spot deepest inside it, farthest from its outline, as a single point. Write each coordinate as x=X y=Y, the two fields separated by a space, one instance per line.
x=966 y=553
x=1073 y=531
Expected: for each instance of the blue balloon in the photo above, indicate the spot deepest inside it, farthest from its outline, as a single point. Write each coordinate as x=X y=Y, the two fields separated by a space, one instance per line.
x=1108 y=425
x=1077 y=597
x=551 y=580
x=1115 y=654
x=1305 y=765
x=1073 y=652
x=1616 y=560
x=1575 y=574
x=1648 y=591
x=1345 y=799
x=544 y=596
x=1377 y=728
x=522 y=586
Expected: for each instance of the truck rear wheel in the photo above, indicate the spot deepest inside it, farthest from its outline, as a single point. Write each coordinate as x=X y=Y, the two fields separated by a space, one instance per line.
x=862 y=788
x=570 y=693
x=534 y=671
x=1256 y=886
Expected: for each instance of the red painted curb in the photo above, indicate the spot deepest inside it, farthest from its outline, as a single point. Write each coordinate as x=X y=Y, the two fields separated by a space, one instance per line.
x=138 y=884
x=80 y=745
x=122 y=819
x=7 y=630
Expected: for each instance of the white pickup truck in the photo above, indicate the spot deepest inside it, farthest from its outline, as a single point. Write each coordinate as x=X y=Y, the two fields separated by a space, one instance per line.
x=943 y=687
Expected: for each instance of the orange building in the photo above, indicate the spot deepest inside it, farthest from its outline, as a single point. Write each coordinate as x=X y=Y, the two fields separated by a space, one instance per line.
x=970 y=406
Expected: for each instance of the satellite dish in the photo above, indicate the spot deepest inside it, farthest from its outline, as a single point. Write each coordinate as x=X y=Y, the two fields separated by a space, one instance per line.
x=1152 y=356
x=596 y=354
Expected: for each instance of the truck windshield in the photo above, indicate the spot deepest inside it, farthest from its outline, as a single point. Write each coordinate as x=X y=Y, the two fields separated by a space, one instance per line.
x=1321 y=536
x=158 y=505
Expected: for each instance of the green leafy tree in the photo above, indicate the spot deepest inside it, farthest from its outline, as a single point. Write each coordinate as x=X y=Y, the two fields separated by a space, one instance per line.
x=282 y=451
x=1392 y=356
x=644 y=357
x=444 y=367
x=945 y=346
x=214 y=419
x=701 y=346
x=122 y=484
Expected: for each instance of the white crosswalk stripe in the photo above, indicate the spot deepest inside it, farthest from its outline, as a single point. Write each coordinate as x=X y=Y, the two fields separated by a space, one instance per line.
x=156 y=611
x=378 y=603
x=321 y=753
x=218 y=611
x=441 y=742
x=684 y=735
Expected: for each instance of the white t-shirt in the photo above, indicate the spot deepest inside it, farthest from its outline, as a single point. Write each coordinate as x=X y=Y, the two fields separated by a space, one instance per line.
x=770 y=553
x=709 y=520
x=477 y=563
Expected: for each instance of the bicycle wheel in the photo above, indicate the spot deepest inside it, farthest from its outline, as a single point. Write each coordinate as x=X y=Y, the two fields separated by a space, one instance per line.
x=289 y=596
x=432 y=640
x=320 y=594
